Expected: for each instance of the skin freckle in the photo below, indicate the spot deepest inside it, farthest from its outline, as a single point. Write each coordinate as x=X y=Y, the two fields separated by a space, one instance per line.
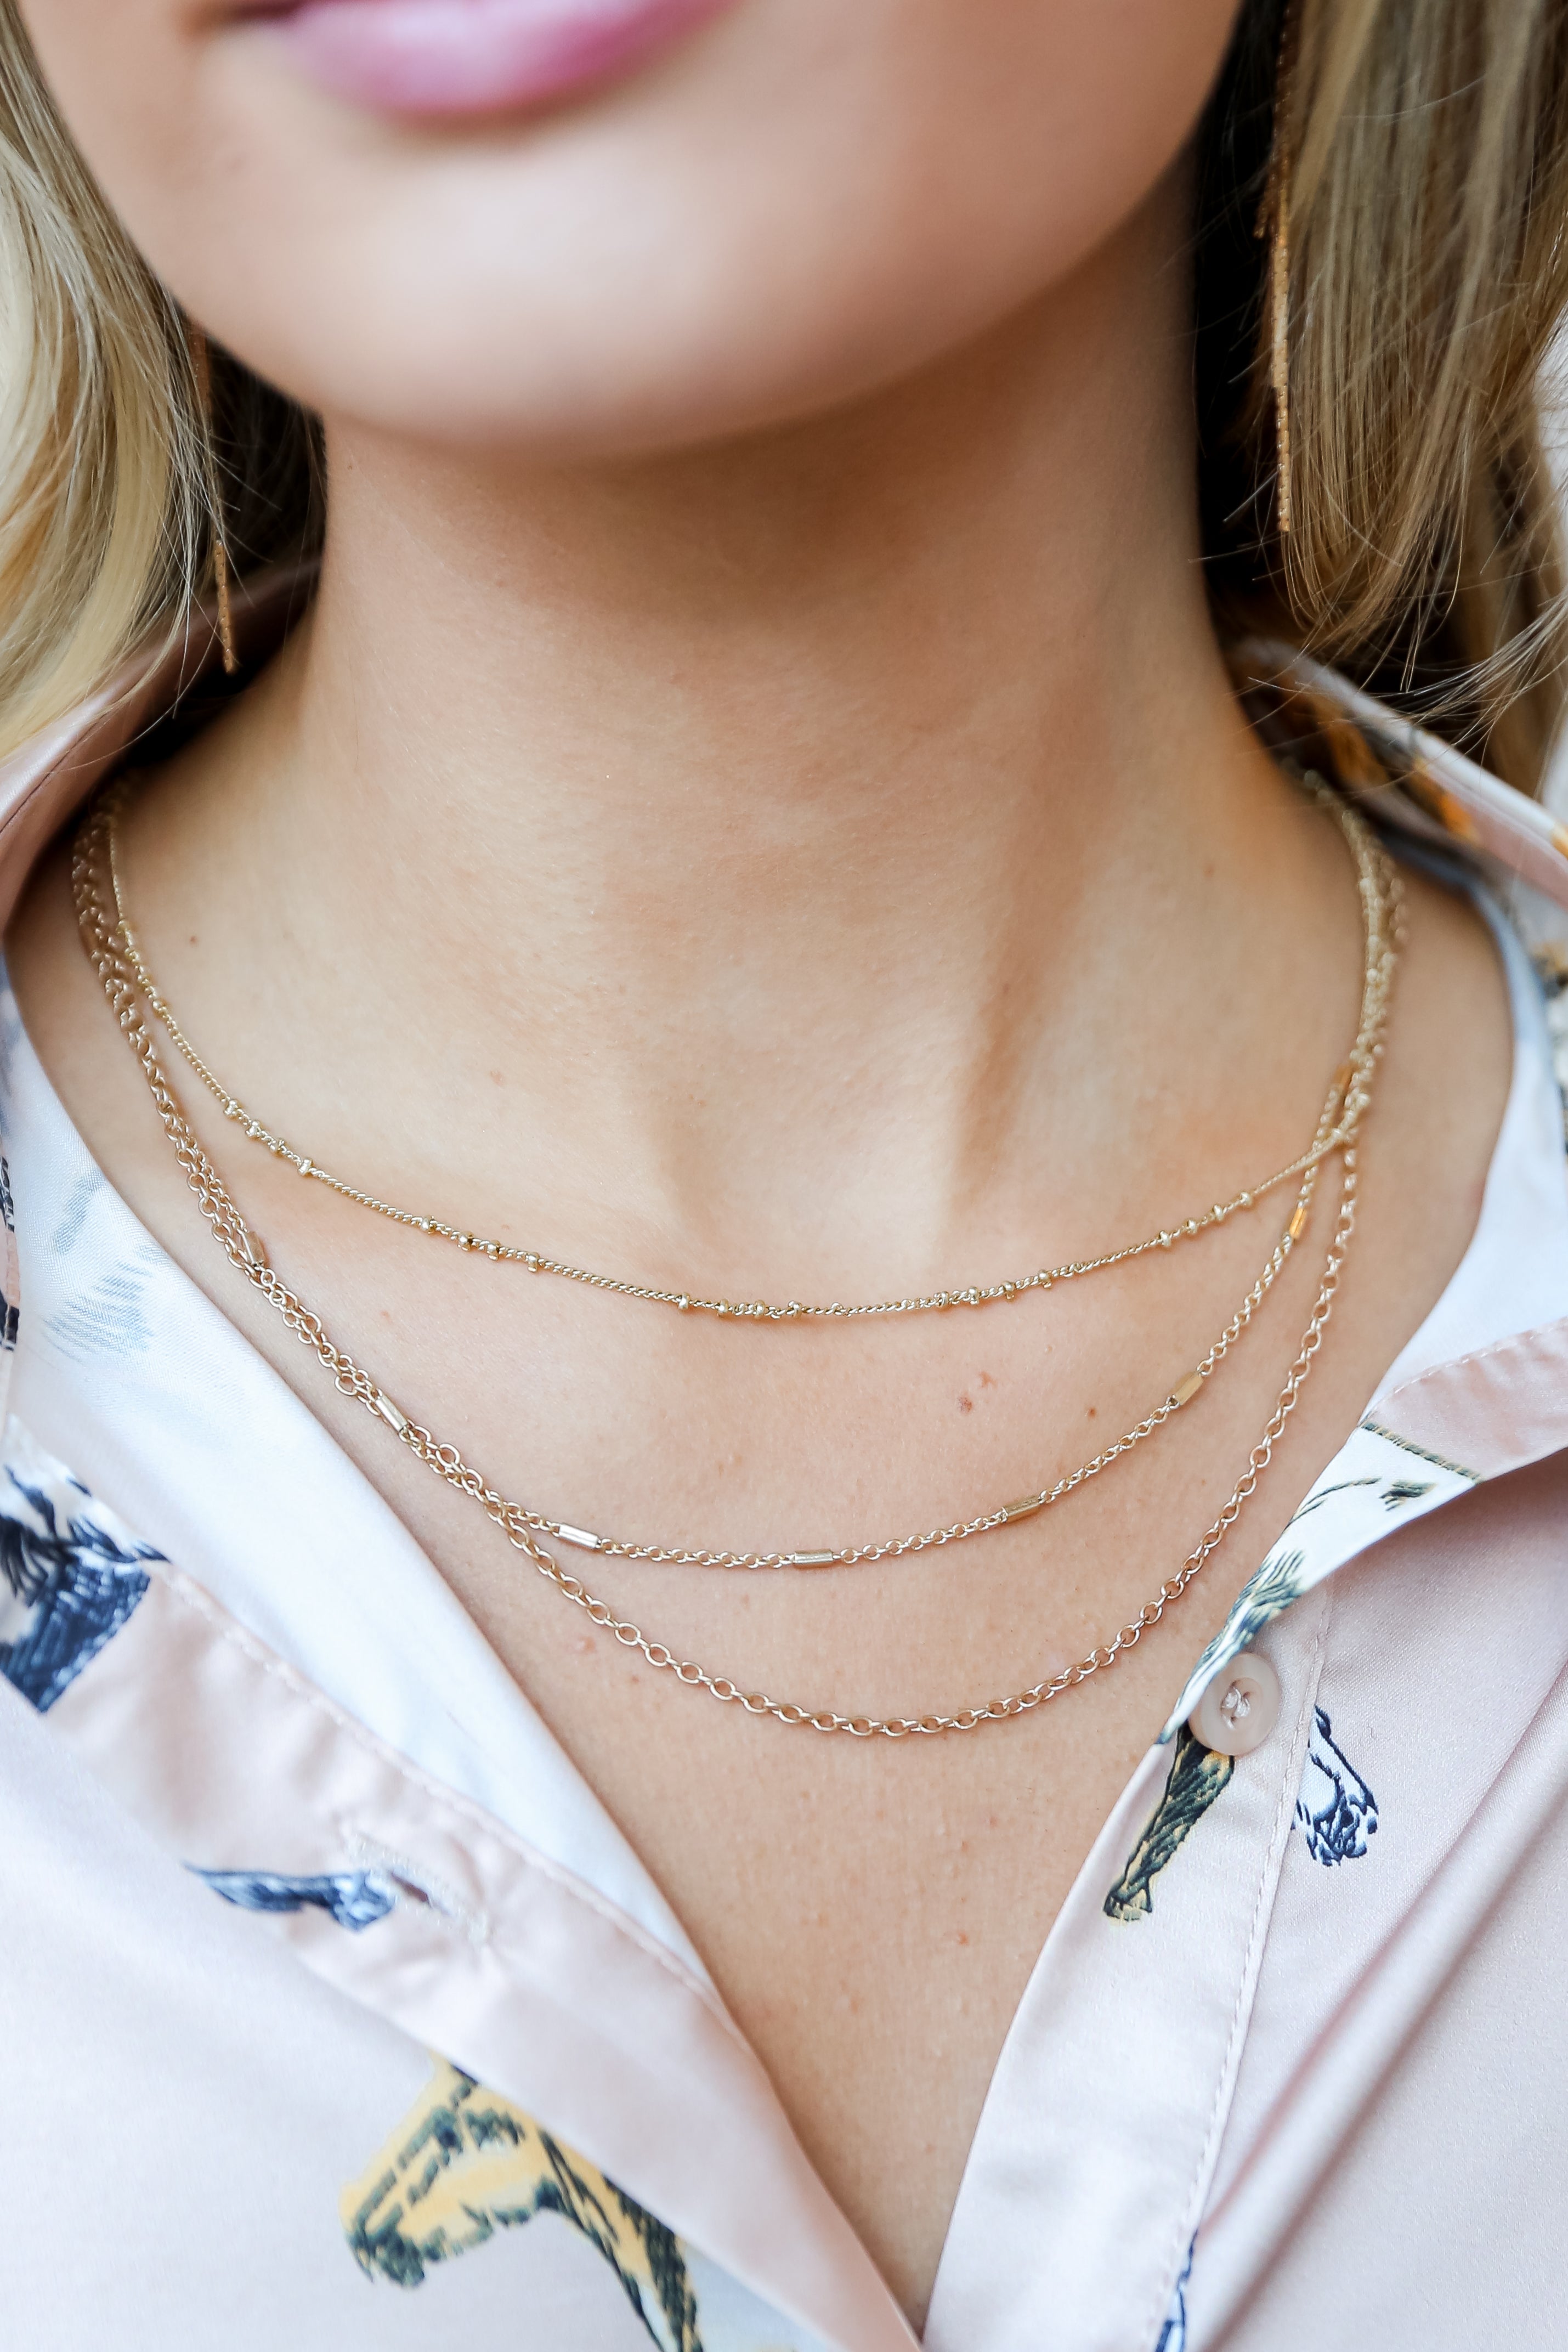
x=965 y=1404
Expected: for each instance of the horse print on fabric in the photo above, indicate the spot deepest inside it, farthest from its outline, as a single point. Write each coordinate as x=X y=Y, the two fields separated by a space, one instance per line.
x=67 y=1584
x=1172 y=2336
x=1336 y=1810
x=1197 y=1777
x=353 y=1899
x=464 y=2163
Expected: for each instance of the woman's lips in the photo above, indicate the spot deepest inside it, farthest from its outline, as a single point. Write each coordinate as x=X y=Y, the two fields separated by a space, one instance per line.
x=476 y=56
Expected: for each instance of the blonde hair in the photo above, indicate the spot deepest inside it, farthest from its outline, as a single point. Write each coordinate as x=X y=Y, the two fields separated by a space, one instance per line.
x=1428 y=155
x=1427 y=149
x=113 y=476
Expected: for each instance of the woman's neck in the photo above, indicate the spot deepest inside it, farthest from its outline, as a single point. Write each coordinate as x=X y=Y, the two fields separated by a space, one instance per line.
x=795 y=846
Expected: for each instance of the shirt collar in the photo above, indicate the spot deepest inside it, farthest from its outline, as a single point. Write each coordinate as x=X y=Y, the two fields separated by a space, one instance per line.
x=1479 y=1389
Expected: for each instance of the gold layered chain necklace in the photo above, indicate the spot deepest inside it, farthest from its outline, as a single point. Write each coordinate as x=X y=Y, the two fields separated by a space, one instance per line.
x=1325 y=1140
x=959 y=1531
x=112 y=950
x=1337 y=1115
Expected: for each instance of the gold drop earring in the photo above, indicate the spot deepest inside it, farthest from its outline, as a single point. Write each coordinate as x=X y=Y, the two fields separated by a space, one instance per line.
x=202 y=372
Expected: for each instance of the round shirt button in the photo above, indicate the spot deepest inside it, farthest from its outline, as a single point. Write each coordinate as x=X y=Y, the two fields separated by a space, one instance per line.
x=1239 y=1708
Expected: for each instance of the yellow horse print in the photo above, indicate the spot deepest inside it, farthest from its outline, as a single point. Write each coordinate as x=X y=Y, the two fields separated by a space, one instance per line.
x=464 y=2163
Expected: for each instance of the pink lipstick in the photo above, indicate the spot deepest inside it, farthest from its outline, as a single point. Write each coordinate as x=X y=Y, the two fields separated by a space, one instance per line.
x=478 y=57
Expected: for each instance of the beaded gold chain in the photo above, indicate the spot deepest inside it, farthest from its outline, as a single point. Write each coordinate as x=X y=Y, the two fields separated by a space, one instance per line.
x=104 y=935
x=960 y=1531
x=758 y=1309
x=926 y=1539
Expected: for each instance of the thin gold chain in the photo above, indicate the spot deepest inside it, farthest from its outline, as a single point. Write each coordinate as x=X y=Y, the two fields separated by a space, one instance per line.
x=1363 y=848
x=1002 y=1710
x=102 y=934
x=960 y=1531
x=926 y=1539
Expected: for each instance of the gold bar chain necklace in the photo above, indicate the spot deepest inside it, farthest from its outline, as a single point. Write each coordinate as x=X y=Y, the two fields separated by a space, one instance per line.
x=112 y=948
x=1325 y=1141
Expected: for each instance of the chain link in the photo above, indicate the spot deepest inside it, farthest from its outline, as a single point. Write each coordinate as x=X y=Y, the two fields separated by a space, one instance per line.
x=1007 y=1514
x=970 y=1719
x=109 y=950
x=1363 y=848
